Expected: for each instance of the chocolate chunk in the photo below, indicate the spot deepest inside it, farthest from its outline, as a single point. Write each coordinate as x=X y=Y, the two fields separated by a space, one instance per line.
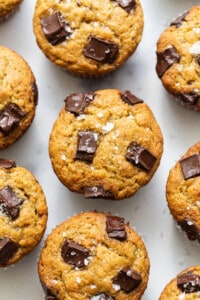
x=127 y=5
x=87 y=144
x=49 y=295
x=74 y=254
x=130 y=98
x=7 y=249
x=101 y=50
x=188 y=282
x=190 y=166
x=95 y=192
x=166 y=59
x=7 y=164
x=187 y=99
x=190 y=228
x=76 y=103
x=115 y=227
x=127 y=279
x=178 y=21
x=101 y=296
x=10 y=203
x=10 y=118
x=55 y=28
x=35 y=92
x=140 y=156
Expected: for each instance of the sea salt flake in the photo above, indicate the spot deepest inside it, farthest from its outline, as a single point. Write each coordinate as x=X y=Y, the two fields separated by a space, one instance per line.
x=100 y=114
x=108 y=127
x=181 y=296
x=195 y=49
x=93 y=286
x=81 y=117
x=116 y=287
x=78 y=279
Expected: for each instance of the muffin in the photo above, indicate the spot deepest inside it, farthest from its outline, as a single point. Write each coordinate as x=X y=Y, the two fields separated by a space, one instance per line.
x=178 y=59
x=182 y=191
x=23 y=212
x=94 y=256
x=87 y=38
x=106 y=144
x=18 y=96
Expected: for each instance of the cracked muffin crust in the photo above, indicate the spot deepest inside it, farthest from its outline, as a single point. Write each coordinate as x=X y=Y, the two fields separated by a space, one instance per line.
x=88 y=38
x=94 y=256
x=18 y=96
x=23 y=212
x=182 y=192
x=105 y=144
x=178 y=59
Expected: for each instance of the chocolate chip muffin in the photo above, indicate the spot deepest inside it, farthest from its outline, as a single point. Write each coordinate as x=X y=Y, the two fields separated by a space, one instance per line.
x=18 y=96
x=87 y=38
x=182 y=192
x=106 y=144
x=7 y=7
x=94 y=256
x=23 y=212
x=178 y=59
x=186 y=286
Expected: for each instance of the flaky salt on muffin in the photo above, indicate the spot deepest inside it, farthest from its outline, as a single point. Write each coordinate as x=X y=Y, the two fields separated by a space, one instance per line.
x=88 y=38
x=182 y=191
x=185 y=286
x=106 y=144
x=94 y=256
x=178 y=59
x=8 y=7
x=23 y=212
x=18 y=96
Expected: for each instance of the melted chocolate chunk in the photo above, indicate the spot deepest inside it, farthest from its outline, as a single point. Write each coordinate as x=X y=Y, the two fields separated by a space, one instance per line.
x=127 y=5
x=87 y=144
x=9 y=202
x=35 y=92
x=190 y=166
x=140 y=156
x=76 y=103
x=7 y=164
x=130 y=98
x=10 y=118
x=127 y=279
x=115 y=227
x=101 y=296
x=166 y=59
x=188 y=282
x=74 y=254
x=178 y=21
x=95 y=192
x=49 y=295
x=101 y=50
x=190 y=228
x=55 y=28
x=7 y=249
x=187 y=99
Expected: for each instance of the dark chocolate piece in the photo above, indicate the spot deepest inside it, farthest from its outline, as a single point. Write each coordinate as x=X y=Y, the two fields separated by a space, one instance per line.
x=129 y=98
x=7 y=164
x=49 y=295
x=127 y=5
x=87 y=144
x=166 y=59
x=190 y=166
x=95 y=192
x=115 y=227
x=190 y=228
x=76 y=103
x=10 y=203
x=7 y=249
x=101 y=50
x=187 y=99
x=178 y=21
x=188 y=282
x=74 y=254
x=127 y=279
x=101 y=296
x=55 y=28
x=10 y=118
x=140 y=156
x=35 y=92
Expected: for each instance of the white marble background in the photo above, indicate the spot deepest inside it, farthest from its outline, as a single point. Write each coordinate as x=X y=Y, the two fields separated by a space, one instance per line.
x=169 y=250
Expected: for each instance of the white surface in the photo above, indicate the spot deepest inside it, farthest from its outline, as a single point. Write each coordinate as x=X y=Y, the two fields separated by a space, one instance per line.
x=169 y=250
